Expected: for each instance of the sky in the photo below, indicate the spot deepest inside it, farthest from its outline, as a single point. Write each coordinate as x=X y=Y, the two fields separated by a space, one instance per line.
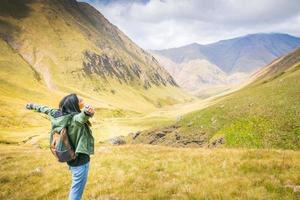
x=161 y=24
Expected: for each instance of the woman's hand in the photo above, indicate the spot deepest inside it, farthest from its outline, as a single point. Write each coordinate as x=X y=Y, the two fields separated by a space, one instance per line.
x=29 y=106
x=89 y=110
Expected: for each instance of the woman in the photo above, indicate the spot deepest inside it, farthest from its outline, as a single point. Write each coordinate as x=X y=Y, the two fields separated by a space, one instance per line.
x=78 y=125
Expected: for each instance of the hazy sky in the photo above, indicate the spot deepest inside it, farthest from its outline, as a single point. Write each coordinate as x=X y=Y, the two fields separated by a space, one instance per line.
x=159 y=24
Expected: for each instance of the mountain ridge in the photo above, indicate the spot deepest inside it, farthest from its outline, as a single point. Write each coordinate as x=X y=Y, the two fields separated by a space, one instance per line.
x=237 y=54
x=237 y=58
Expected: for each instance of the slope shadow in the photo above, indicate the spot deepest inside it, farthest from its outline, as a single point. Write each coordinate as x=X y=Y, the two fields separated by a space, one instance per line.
x=15 y=8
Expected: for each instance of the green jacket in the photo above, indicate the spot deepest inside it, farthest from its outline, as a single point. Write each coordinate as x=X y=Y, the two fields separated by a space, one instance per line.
x=79 y=132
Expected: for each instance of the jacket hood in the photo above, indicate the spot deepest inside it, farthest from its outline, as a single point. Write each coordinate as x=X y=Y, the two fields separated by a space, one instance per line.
x=60 y=122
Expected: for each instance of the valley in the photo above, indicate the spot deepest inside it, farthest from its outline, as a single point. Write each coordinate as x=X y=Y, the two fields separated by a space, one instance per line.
x=215 y=121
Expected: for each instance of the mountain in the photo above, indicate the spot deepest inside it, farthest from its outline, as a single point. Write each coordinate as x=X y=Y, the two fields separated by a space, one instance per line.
x=194 y=74
x=78 y=40
x=200 y=71
x=242 y=54
x=51 y=48
x=263 y=114
x=200 y=76
x=235 y=59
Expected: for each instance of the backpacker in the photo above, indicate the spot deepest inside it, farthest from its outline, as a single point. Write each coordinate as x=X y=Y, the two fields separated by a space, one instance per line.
x=61 y=147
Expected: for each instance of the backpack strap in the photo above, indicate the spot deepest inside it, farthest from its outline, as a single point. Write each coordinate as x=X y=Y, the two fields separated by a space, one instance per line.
x=67 y=131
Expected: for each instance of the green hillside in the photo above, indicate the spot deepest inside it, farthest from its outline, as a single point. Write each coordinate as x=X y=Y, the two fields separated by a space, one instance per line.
x=263 y=114
x=19 y=82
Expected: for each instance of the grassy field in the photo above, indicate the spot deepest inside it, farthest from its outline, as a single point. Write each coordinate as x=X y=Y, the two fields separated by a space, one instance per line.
x=154 y=172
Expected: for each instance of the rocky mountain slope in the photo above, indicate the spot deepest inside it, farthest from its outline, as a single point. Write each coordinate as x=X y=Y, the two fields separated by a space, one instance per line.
x=84 y=36
x=194 y=74
x=201 y=77
x=67 y=46
x=277 y=68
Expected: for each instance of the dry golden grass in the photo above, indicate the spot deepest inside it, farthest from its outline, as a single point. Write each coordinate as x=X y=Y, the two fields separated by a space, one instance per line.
x=153 y=172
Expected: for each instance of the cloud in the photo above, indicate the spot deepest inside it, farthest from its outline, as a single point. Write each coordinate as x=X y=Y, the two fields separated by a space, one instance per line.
x=158 y=24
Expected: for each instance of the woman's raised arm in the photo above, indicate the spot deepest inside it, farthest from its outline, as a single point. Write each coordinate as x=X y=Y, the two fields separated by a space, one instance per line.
x=41 y=108
x=84 y=115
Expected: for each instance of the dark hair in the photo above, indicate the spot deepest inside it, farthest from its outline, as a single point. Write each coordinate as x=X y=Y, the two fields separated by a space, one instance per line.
x=69 y=105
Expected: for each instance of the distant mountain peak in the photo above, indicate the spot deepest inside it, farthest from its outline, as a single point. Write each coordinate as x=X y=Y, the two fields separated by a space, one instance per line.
x=241 y=54
x=225 y=63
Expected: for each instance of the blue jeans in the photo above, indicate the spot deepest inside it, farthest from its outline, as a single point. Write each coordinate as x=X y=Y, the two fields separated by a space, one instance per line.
x=79 y=178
